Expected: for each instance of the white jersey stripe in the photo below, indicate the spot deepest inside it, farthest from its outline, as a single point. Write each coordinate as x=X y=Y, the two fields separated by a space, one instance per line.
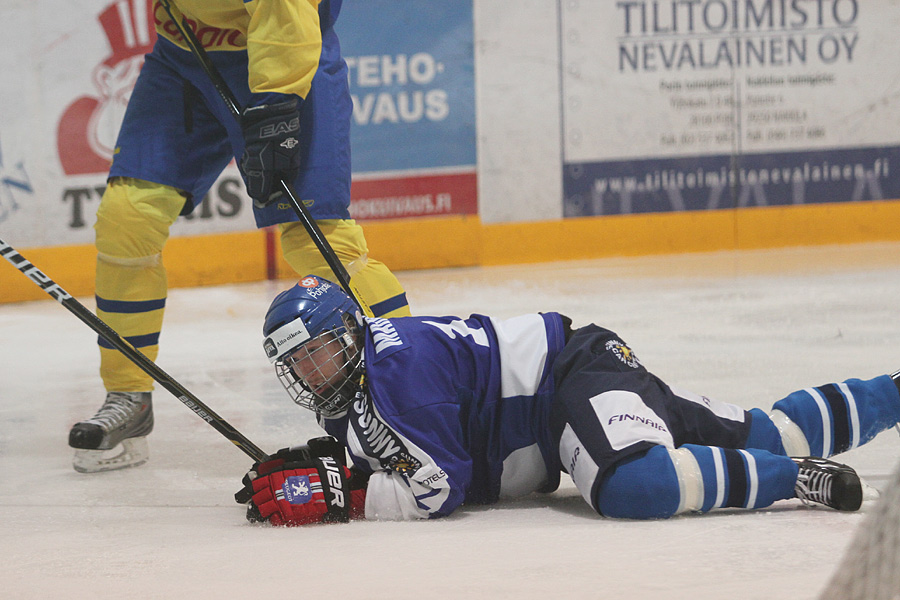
x=578 y=463
x=826 y=420
x=522 y=342
x=752 y=478
x=718 y=462
x=357 y=450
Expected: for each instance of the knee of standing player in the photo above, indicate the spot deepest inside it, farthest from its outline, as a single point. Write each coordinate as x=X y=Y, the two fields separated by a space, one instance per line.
x=656 y=484
x=374 y=281
x=134 y=217
x=344 y=236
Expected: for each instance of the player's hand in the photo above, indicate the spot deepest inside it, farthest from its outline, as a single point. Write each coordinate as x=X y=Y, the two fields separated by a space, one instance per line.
x=314 y=448
x=306 y=492
x=271 y=149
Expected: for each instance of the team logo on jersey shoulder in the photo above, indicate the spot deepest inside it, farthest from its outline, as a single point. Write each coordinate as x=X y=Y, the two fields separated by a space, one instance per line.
x=623 y=353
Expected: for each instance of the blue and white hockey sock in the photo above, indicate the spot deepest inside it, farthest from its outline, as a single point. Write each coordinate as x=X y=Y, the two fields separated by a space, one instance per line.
x=838 y=417
x=665 y=482
x=742 y=478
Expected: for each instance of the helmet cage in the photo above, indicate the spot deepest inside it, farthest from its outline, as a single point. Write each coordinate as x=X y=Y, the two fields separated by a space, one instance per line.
x=323 y=374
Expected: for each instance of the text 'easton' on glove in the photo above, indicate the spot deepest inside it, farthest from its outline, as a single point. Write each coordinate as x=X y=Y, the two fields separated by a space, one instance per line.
x=302 y=493
x=271 y=149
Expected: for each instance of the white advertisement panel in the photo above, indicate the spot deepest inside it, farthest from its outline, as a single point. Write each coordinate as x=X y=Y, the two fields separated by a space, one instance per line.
x=67 y=72
x=708 y=104
x=68 y=68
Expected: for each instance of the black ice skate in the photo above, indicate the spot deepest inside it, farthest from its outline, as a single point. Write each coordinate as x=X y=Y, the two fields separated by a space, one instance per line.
x=115 y=437
x=829 y=483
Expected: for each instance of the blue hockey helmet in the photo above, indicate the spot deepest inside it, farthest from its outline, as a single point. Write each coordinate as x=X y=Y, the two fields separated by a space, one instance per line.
x=311 y=335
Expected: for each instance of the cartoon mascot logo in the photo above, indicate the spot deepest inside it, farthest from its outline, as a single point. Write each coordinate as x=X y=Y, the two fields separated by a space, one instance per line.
x=623 y=353
x=87 y=131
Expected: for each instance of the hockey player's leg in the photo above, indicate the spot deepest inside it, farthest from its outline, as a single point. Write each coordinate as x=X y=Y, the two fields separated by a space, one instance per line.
x=664 y=482
x=132 y=227
x=833 y=418
x=376 y=283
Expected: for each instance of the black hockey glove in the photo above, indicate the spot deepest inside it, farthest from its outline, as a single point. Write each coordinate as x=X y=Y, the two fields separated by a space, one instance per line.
x=314 y=448
x=271 y=149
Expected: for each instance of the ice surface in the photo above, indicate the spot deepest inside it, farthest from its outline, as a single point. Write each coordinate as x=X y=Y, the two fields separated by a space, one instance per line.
x=746 y=327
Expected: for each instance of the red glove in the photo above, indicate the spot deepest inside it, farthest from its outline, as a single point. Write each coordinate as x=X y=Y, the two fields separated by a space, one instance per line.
x=318 y=490
x=320 y=446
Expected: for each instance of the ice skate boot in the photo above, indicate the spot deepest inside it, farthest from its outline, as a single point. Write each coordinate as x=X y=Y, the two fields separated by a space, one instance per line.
x=829 y=483
x=115 y=437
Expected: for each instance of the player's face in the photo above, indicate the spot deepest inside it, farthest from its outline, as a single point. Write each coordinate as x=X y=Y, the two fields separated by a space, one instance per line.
x=320 y=363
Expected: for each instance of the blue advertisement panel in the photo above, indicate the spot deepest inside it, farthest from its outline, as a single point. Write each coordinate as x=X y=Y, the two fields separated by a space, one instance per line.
x=411 y=68
x=412 y=82
x=725 y=181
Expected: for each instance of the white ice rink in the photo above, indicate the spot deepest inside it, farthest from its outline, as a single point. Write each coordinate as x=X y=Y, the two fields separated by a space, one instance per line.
x=745 y=327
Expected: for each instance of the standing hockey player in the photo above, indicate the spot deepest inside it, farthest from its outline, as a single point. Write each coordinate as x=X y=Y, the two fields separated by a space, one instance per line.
x=440 y=411
x=282 y=61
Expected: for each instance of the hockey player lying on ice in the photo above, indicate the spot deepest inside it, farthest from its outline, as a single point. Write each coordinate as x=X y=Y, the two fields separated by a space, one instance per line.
x=441 y=411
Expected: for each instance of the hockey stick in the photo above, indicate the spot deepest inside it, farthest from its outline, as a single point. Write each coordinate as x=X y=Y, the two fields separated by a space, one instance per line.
x=337 y=267
x=130 y=352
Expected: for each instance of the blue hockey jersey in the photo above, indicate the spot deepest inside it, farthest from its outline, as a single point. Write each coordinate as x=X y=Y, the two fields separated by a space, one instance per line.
x=456 y=410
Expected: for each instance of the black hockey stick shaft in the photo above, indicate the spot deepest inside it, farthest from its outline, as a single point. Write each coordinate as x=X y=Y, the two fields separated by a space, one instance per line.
x=318 y=238
x=130 y=352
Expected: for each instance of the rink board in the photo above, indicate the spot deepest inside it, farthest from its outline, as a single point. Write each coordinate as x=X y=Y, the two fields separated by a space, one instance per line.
x=458 y=241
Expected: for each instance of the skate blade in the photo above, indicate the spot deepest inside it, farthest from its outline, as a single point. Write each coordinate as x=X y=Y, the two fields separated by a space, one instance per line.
x=870 y=492
x=130 y=452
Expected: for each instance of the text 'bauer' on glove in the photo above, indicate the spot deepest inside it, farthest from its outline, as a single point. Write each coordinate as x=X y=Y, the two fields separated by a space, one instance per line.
x=306 y=492
x=314 y=448
x=271 y=149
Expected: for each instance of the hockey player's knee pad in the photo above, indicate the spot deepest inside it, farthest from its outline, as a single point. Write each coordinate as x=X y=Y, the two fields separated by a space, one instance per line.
x=769 y=433
x=134 y=218
x=646 y=486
